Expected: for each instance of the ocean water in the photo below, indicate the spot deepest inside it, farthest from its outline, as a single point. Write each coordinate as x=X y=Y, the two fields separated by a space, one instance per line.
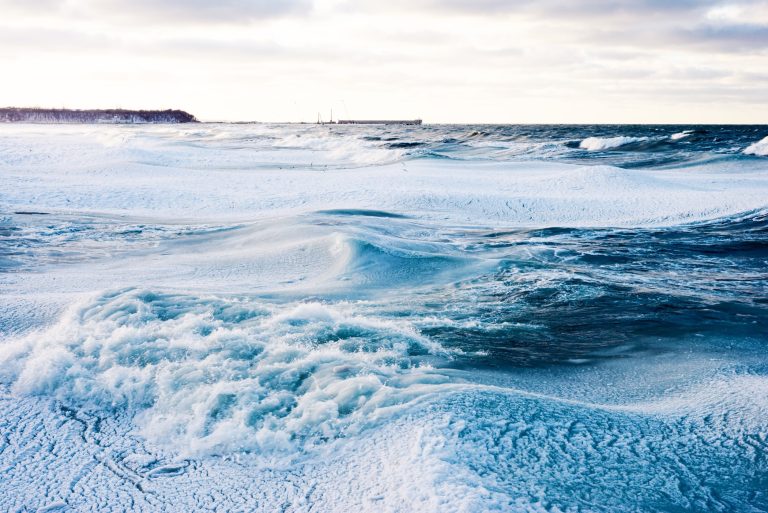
x=256 y=317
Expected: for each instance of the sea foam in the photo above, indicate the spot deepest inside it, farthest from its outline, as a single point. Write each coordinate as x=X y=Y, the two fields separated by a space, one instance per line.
x=608 y=143
x=289 y=327
x=759 y=148
x=681 y=135
x=219 y=375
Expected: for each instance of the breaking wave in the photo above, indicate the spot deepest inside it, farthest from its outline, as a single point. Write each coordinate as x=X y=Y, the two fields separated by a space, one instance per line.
x=600 y=144
x=206 y=374
x=321 y=147
x=759 y=148
x=384 y=318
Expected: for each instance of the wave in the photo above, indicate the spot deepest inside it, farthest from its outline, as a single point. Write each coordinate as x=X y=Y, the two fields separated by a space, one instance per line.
x=681 y=135
x=680 y=147
x=759 y=148
x=461 y=334
x=608 y=143
x=650 y=144
x=319 y=147
x=216 y=375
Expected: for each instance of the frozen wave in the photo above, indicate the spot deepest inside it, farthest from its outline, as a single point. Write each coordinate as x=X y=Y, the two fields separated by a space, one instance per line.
x=194 y=146
x=472 y=449
x=225 y=173
x=608 y=143
x=759 y=148
x=214 y=375
x=681 y=135
x=290 y=327
x=455 y=192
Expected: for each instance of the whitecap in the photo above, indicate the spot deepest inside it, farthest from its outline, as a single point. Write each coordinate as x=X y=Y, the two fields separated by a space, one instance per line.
x=608 y=143
x=759 y=148
x=680 y=135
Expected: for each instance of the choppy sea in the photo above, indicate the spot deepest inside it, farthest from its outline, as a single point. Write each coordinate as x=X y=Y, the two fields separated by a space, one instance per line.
x=256 y=317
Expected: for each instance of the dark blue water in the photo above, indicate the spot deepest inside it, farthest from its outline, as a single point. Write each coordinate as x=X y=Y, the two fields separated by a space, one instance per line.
x=654 y=145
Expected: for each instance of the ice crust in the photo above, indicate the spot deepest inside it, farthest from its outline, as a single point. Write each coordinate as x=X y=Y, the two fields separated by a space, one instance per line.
x=163 y=173
x=436 y=458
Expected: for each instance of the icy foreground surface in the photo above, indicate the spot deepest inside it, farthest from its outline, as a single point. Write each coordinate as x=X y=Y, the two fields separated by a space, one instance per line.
x=178 y=173
x=276 y=318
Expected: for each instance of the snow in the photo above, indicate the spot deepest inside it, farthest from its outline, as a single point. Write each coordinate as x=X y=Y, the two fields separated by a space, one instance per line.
x=435 y=458
x=155 y=175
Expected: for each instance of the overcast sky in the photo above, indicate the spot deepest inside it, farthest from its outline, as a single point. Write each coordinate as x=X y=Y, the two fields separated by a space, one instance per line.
x=441 y=60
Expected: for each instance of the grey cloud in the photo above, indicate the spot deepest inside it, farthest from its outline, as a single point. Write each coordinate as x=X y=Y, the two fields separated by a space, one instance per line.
x=701 y=36
x=154 y=11
x=733 y=37
x=31 y=5
x=50 y=40
x=566 y=8
x=216 y=10
x=626 y=23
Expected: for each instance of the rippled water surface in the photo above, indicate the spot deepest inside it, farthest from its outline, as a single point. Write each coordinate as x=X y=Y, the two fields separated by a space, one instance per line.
x=383 y=318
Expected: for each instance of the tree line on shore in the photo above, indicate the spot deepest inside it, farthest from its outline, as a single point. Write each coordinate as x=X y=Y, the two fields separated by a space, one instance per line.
x=36 y=115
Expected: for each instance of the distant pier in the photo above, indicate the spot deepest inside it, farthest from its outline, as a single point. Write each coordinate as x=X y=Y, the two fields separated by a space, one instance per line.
x=379 y=122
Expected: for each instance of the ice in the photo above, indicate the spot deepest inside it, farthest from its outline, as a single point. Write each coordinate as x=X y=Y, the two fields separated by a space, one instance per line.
x=273 y=318
x=162 y=175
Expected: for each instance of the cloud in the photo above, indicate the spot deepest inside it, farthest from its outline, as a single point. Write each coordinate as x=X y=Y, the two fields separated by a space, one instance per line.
x=728 y=37
x=212 y=11
x=519 y=55
x=701 y=24
x=556 y=8
x=59 y=40
x=155 y=11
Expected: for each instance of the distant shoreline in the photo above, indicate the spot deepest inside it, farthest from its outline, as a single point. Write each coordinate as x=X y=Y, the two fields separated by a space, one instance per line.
x=102 y=116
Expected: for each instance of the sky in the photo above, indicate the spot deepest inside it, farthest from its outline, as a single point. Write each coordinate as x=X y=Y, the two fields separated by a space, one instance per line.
x=445 y=61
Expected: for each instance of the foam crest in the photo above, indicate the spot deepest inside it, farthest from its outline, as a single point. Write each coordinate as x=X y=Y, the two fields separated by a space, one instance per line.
x=211 y=375
x=608 y=143
x=681 y=135
x=759 y=148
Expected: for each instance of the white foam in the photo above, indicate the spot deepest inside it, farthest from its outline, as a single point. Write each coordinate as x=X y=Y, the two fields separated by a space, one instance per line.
x=680 y=135
x=759 y=148
x=192 y=146
x=211 y=375
x=608 y=143
x=174 y=174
